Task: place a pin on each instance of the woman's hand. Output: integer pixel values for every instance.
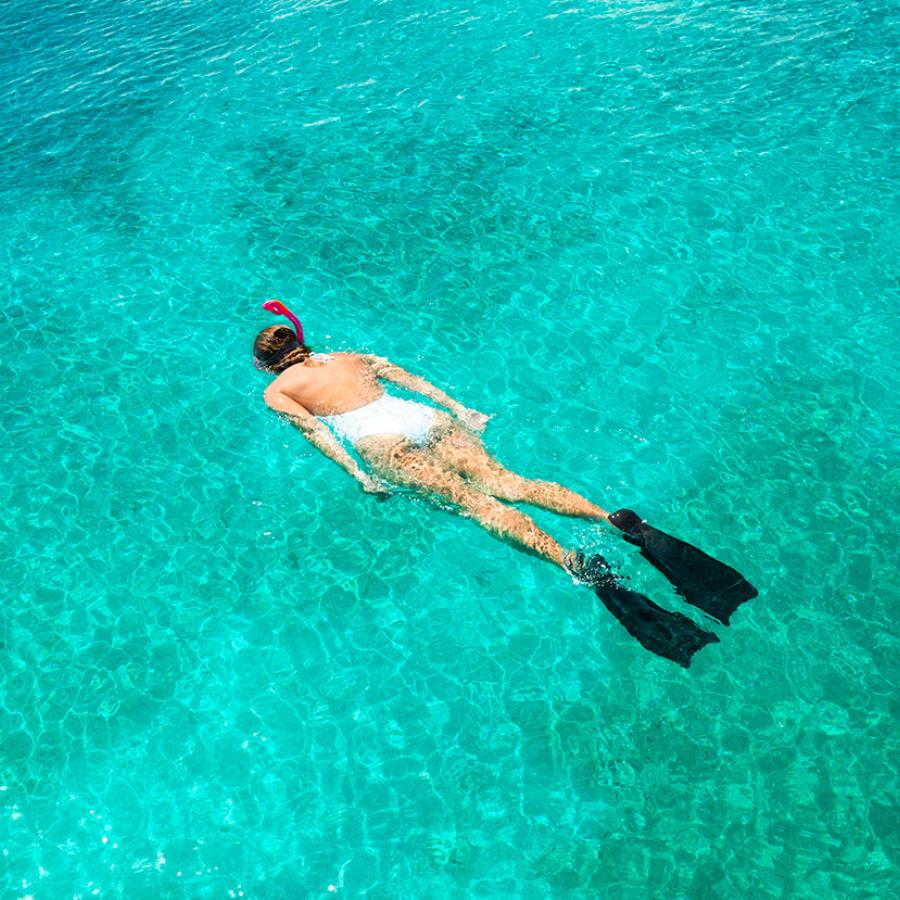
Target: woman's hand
(473, 419)
(372, 485)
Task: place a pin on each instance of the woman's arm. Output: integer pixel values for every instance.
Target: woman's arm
(389, 371)
(319, 436)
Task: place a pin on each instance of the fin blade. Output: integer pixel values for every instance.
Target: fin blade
(668, 634)
(700, 579)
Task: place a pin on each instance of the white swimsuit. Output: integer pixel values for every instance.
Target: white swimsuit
(386, 415)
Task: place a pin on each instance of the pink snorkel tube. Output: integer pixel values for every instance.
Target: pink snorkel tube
(277, 307)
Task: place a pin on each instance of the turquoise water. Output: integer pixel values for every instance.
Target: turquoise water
(657, 241)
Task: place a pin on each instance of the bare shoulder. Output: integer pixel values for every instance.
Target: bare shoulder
(287, 382)
(272, 394)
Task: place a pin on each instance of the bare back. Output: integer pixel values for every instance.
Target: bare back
(329, 384)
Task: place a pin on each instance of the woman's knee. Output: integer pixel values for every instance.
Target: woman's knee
(481, 505)
(492, 513)
(509, 486)
(539, 489)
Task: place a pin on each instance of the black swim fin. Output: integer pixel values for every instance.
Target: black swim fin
(668, 634)
(704, 582)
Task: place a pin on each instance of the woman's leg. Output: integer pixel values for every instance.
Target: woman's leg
(464, 453)
(419, 468)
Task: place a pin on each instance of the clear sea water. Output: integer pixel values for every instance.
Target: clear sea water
(658, 241)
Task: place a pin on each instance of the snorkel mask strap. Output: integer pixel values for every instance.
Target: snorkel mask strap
(277, 307)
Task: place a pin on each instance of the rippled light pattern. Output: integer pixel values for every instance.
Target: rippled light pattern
(658, 241)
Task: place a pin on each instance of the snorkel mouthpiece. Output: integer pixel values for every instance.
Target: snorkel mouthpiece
(277, 307)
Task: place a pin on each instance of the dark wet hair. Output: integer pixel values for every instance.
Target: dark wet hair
(276, 348)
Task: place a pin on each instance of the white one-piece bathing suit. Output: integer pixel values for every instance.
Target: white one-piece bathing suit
(386, 415)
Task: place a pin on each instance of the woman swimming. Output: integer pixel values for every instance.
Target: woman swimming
(341, 397)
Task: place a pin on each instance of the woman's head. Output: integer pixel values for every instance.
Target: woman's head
(277, 347)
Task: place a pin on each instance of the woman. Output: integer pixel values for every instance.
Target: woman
(340, 396)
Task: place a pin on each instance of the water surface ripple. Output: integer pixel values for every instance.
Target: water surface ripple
(657, 240)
